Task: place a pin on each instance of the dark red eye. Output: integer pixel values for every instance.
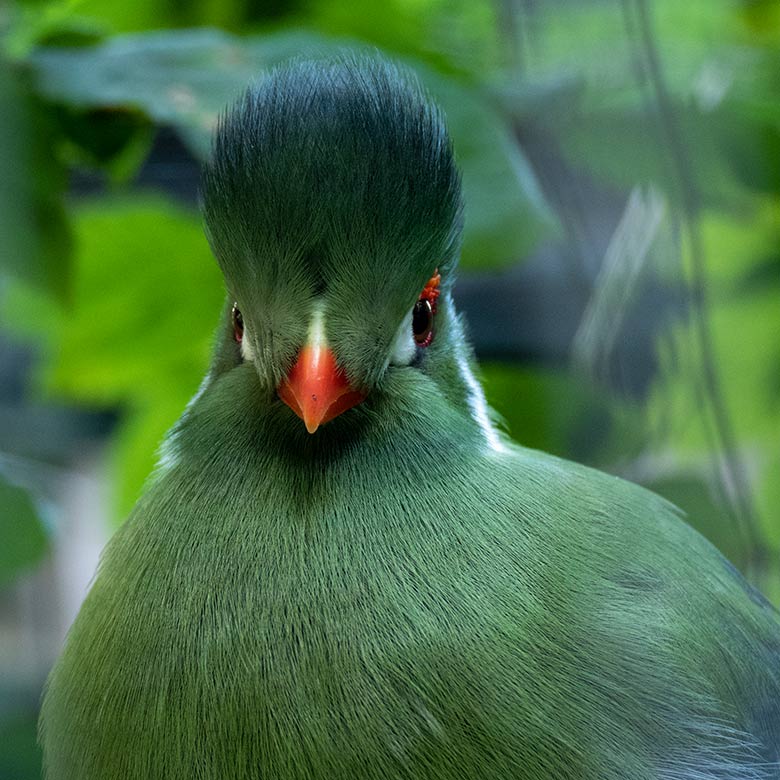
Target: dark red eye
(424, 309)
(238, 324)
(422, 322)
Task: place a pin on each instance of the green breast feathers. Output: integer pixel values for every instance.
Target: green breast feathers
(341, 569)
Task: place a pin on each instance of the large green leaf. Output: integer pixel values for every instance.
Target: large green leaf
(23, 538)
(185, 78)
(34, 238)
(700, 47)
(146, 297)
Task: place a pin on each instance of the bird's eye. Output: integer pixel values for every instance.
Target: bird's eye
(422, 322)
(424, 309)
(238, 324)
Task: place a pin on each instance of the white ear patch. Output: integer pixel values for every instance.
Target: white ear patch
(403, 350)
(247, 351)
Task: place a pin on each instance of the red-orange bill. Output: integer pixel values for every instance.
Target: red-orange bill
(316, 389)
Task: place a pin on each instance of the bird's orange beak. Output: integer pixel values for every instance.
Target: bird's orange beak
(316, 389)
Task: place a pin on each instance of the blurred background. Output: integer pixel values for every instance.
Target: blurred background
(620, 274)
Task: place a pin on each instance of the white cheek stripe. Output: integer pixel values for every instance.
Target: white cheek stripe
(246, 347)
(476, 395)
(478, 406)
(403, 353)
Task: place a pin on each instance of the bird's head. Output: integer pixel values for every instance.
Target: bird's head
(332, 203)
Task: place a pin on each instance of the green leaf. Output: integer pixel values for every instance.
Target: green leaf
(179, 78)
(700, 46)
(34, 235)
(52, 22)
(23, 539)
(718, 86)
(147, 294)
(115, 139)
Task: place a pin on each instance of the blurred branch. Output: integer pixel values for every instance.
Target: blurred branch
(516, 21)
(616, 284)
(733, 481)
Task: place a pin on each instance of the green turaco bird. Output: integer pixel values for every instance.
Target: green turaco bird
(341, 569)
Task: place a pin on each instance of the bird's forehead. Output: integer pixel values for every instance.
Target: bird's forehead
(334, 177)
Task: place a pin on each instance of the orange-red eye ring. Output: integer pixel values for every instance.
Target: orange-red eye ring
(431, 290)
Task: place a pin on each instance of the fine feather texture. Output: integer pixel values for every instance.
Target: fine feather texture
(404, 594)
(332, 175)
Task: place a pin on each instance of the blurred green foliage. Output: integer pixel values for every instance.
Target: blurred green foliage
(22, 532)
(20, 756)
(555, 109)
(83, 95)
(34, 230)
(141, 260)
(185, 79)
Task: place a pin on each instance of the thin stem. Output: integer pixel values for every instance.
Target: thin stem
(733, 480)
